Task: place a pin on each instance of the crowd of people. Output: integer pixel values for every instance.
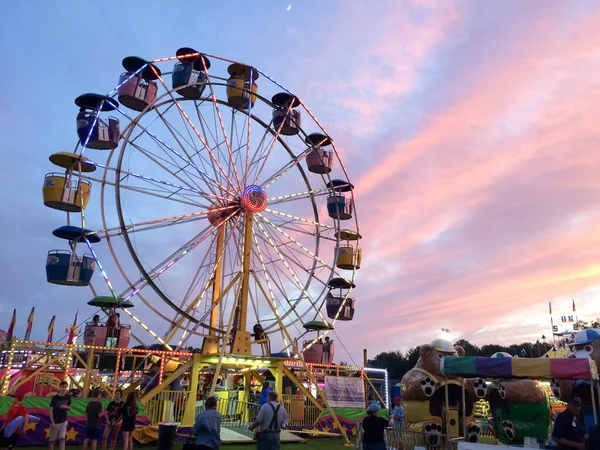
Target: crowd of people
(120, 416)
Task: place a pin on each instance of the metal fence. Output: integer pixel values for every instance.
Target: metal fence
(311, 412)
(237, 415)
(167, 406)
(406, 439)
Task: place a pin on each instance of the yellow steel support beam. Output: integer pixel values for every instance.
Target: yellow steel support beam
(190, 407)
(241, 337)
(88, 373)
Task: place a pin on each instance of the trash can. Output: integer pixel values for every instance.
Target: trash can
(166, 436)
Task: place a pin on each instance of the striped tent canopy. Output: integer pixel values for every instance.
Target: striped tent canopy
(530, 368)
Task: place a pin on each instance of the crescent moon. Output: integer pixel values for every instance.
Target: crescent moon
(289, 7)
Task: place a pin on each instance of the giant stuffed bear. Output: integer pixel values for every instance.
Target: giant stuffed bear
(586, 345)
(424, 394)
(519, 408)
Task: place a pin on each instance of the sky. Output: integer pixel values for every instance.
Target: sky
(469, 130)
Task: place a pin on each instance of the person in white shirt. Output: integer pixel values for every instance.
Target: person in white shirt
(270, 420)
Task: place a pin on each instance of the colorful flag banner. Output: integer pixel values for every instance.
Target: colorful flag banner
(51, 329)
(73, 330)
(11, 328)
(29, 325)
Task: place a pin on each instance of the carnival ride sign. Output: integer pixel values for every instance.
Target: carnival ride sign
(345, 392)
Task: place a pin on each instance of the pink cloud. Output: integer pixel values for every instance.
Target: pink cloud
(492, 206)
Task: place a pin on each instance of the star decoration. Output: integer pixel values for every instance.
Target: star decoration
(30, 426)
(353, 431)
(47, 430)
(71, 434)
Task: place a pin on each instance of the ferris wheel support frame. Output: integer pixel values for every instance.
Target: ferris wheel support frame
(240, 344)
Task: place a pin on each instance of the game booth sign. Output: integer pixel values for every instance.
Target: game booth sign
(516, 421)
(346, 396)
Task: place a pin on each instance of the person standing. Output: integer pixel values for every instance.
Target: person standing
(398, 413)
(16, 421)
(59, 406)
(373, 429)
(569, 431)
(114, 418)
(270, 420)
(130, 411)
(93, 411)
(207, 427)
(264, 393)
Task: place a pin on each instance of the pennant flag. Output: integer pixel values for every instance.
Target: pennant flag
(51, 329)
(73, 330)
(574, 310)
(29, 325)
(550, 306)
(11, 328)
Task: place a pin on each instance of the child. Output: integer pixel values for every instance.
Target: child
(114, 418)
(94, 414)
(16, 420)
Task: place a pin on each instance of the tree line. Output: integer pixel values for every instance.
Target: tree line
(398, 363)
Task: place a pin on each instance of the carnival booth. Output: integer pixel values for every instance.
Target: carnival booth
(585, 345)
(435, 404)
(514, 419)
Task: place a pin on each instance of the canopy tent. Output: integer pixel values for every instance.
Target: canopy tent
(530, 368)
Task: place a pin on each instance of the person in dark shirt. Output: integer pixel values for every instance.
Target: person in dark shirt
(130, 411)
(93, 411)
(569, 431)
(373, 429)
(593, 442)
(114, 418)
(59, 405)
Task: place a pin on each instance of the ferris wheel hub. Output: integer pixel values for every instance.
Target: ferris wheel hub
(254, 199)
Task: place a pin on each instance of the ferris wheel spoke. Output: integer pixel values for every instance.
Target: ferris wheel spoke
(223, 130)
(274, 140)
(298, 196)
(145, 178)
(276, 272)
(210, 278)
(192, 126)
(271, 295)
(209, 136)
(292, 273)
(169, 151)
(279, 173)
(299, 219)
(154, 194)
(175, 174)
(188, 162)
(191, 143)
(157, 223)
(304, 249)
(295, 255)
(149, 276)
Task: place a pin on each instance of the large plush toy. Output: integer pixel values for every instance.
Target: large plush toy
(586, 345)
(519, 408)
(424, 393)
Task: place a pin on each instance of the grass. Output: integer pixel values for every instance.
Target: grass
(310, 444)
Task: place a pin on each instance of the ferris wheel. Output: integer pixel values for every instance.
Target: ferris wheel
(223, 212)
